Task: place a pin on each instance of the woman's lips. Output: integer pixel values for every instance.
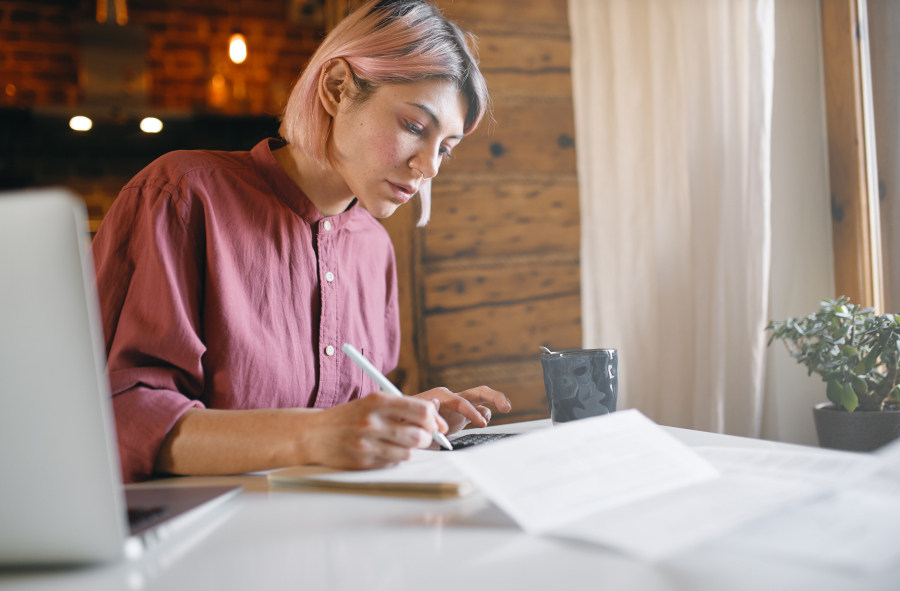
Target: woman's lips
(402, 192)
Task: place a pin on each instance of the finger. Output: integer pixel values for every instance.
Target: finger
(415, 411)
(485, 395)
(385, 454)
(442, 424)
(465, 408)
(405, 435)
(485, 412)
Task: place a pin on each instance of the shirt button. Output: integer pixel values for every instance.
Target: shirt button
(327, 225)
(329, 277)
(329, 350)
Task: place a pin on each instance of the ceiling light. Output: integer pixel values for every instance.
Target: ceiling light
(151, 125)
(80, 123)
(237, 48)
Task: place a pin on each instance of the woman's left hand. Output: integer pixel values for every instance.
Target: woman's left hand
(467, 407)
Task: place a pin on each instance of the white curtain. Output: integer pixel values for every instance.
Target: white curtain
(673, 109)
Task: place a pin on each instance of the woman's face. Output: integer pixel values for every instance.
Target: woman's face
(387, 146)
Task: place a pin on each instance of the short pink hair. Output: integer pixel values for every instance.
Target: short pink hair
(386, 42)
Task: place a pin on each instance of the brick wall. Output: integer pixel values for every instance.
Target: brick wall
(187, 53)
(39, 52)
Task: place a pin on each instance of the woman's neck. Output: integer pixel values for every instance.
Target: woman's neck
(323, 186)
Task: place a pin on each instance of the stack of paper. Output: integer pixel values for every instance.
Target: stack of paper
(620, 481)
(853, 526)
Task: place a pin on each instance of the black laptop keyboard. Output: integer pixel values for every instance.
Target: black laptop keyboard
(141, 515)
(470, 440)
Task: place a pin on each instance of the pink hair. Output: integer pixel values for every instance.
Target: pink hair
(386, 42)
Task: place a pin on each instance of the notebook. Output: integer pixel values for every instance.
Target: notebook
(426, 474)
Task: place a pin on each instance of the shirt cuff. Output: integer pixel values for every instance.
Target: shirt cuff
(144, 417)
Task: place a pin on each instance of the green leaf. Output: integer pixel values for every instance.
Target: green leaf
(835, 392)
(895, 393)
(860, 386)
(849, 351)
(849, 398)
(871, 359)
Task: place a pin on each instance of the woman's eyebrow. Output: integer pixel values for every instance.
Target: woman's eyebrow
(434, 119)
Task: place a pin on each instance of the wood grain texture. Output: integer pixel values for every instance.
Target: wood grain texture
(500, 332)
(521, 381)
(537, 137)
(523, 53)
(531, 16)
(485, 219)
(511, 88)
(503, 282)
(853, 270)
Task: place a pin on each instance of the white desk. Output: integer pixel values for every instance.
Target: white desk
(282, 539)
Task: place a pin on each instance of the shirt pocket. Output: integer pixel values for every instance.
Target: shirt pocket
(367, 384)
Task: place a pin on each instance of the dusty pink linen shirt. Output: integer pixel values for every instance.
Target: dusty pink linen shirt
(222, 286)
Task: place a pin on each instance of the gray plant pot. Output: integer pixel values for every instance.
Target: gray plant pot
(855, 431)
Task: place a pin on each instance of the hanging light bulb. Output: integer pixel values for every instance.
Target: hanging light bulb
(151, 125)
(237, 48)
(80, 123)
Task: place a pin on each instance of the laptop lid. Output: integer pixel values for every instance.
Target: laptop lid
(61, 497)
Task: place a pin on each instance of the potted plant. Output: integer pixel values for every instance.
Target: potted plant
(857, 354)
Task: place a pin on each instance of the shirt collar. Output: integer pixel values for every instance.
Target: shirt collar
(288, 191)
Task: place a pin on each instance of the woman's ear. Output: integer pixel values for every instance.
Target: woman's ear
(335, 81)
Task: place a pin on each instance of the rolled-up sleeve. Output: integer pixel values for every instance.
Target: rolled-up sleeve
(149, 260)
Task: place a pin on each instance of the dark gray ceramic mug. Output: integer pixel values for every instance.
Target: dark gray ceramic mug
(581, 383)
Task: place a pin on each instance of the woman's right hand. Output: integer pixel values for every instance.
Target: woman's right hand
(372, 432)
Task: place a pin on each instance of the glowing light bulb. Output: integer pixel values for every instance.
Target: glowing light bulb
(237, 48)
(151, 125)
(80, 123)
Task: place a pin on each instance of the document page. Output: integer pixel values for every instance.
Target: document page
(554, 477)
(657, 528)
(851, 530)
(885, 479)
(821, 467)
(423, 467)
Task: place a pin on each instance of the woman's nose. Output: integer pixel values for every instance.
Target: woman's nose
(426, 163)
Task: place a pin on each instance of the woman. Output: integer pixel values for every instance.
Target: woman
(229, 281)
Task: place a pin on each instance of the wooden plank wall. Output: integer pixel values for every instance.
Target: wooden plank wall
(495, 273)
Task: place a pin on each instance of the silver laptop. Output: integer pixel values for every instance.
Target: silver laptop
(61, 493)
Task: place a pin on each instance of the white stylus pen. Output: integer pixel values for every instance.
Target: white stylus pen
(385, 384)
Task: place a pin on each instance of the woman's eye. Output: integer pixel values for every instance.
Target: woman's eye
(445, 152)
(412, 127)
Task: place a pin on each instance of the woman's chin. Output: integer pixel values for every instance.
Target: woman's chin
(382, 209)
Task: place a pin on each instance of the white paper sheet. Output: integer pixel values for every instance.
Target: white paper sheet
(851, 531)
(423, 467)
(852, 524)
(886, 478)
(669, 524)
(822, 467)
(548, 479)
